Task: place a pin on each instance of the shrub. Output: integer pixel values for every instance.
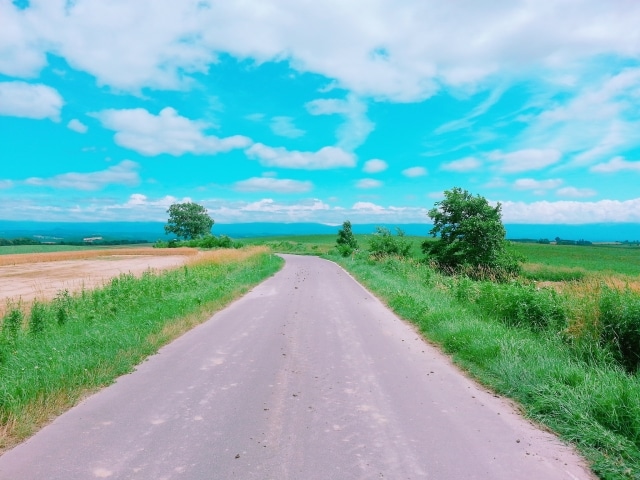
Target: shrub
(620, 325)
(346, 241)
(37, 318)
(522, 305)
(383, 243)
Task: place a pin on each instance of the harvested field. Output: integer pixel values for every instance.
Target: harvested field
(41, 276)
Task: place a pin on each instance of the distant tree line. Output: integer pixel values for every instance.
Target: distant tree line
(6, 242)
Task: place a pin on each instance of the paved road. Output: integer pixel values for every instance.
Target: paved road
(306, 377)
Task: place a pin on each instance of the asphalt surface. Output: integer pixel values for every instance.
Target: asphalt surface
(306, 377)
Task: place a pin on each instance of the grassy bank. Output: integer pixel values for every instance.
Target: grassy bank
(576, 388)
(57, 352)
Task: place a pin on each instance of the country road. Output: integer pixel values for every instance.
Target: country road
(306, 377)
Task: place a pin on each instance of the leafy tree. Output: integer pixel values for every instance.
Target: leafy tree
(347, 242)
(471, 237)
(383, 243)
(188, 220)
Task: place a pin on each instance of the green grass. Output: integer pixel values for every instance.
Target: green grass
(53, 355)
(596, 258)
(587, 398)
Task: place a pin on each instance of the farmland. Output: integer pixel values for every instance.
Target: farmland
(55, 351)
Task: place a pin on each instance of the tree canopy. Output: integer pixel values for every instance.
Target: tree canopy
(188, 221)
(471, 236)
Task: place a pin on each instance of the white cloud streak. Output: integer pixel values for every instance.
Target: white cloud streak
(267, 184)
(617, 164)
(125, 173)
(324, 159)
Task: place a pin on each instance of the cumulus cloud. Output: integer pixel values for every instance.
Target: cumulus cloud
(269, 184)
(466, 164)
(525, 160)
(572, 212)
(284, 127)
(167, 132)
(125, 173)
(77, 126)
(616, 164)
(356, 127)
(37, 101)
(414, 172)
(324, 159)
(375, 166)
(399, 50)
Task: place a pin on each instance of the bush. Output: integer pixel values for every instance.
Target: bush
(620, 324)
(383, 243)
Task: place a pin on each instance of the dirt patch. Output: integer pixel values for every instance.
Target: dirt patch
(44, 279)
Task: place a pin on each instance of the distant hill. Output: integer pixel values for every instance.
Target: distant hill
(152, 231)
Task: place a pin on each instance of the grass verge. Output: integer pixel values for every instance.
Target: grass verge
(589, 400)
(56, 353)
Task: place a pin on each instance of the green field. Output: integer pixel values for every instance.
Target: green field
(596, 258)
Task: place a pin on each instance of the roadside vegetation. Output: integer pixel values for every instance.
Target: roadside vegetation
(54, 353)
(554, 327)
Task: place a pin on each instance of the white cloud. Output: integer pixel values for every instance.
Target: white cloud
(167, 132)
(616, 164)
(77, 126)
(284, 127)
(525, 160)
(5, 184)
(368, 183)
(356, 127)
(324, 159)
(571, 212)
(21, 99)
(269, 184)
(466, 164)
(574, 192)
(401, 50)
(375, 165)
(538, 185)
(125, 173)
(413, 172)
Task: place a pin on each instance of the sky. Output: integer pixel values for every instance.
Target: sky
(319, 111)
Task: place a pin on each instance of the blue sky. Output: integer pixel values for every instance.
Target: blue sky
(307, 111)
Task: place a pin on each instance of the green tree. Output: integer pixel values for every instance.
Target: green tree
(188, 220)
(471, 237)
(347, 242)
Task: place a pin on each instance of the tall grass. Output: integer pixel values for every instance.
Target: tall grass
(515, 339)
(53, 355)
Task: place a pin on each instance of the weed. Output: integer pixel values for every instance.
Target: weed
(620, 324)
